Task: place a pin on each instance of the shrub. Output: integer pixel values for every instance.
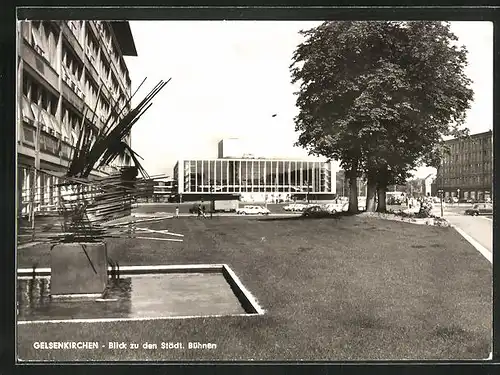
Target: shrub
(425, 211)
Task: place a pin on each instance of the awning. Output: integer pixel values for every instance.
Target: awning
(36, 111)
(27, 111)
(46, 120)
(37, 39)
(64, 130)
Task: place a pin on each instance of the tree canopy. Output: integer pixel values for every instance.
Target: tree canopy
(380, 96)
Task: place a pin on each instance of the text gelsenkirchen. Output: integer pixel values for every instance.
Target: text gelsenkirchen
(65, 345)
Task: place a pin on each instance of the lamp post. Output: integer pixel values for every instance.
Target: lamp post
(458, 196)
(440, 191)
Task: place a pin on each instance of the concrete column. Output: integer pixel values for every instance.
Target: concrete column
(239, 174)
(196, 176)
(252, 179)
(301, 176)
(227, 174)
(259, 174)
(20, 80)
(202, 175)
(30, 31)
(265, 176)
(180, 176)
(83, 35)
(333, 178)
(289, 176)
(215, 174)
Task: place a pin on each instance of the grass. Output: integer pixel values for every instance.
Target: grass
(349, 288)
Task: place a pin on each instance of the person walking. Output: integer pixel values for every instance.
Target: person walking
(177, 212)
(203, 212)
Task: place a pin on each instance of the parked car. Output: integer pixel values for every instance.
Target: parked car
(253, 210)
(226, 205)
(336, 207)
(316, 211)
(480, 209)
(295, 207)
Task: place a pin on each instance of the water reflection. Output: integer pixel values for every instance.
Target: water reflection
(157, 295)
(35, 302)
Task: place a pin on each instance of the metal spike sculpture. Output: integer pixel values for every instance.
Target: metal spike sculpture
(90, 208)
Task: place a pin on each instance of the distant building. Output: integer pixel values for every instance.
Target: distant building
(343, 185)
(467, 172)
(163, 189)
(230, 148)
(427, 184)
(254, 179)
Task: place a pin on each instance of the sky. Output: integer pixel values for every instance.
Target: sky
(228, 79)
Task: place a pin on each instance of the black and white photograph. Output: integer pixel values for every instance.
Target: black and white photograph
(254, 190)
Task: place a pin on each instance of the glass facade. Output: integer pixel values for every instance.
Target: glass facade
(255, 175)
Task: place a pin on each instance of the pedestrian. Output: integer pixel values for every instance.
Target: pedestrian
(177, 212)
(203, 212)
(199, 211)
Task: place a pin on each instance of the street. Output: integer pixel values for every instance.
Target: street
(480, 228)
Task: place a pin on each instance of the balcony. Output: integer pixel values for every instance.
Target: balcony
(69, 94)
(40, 65)
(90, 65)
(92, 27)
(66, 150)
(49, 144)
(28, 133)
(108, 56)
(93, 118)
(71, 39)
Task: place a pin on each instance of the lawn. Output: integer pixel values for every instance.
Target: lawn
(348, 288)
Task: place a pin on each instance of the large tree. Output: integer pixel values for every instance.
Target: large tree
(379, 97)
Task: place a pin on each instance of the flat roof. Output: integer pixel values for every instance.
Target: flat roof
(124, 36)
(464, 139)
(256, 159)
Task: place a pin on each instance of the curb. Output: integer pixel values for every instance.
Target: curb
(484, 251)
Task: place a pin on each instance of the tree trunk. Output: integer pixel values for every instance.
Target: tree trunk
(353, 194)
(371, 195)
(381, 198)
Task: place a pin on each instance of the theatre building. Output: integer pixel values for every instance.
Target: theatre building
(467, 171)
(254, 179)
(70, 75)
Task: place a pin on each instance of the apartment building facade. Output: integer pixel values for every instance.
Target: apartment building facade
(71, 74)
(467, 171)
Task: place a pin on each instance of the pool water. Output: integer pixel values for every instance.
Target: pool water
(135, 296)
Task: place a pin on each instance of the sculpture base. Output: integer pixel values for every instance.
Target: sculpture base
(78, 268)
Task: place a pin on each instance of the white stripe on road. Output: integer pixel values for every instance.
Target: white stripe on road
(486, 253)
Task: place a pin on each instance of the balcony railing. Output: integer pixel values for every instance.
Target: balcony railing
(71, 38)
(39, 64)
(69, 94)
